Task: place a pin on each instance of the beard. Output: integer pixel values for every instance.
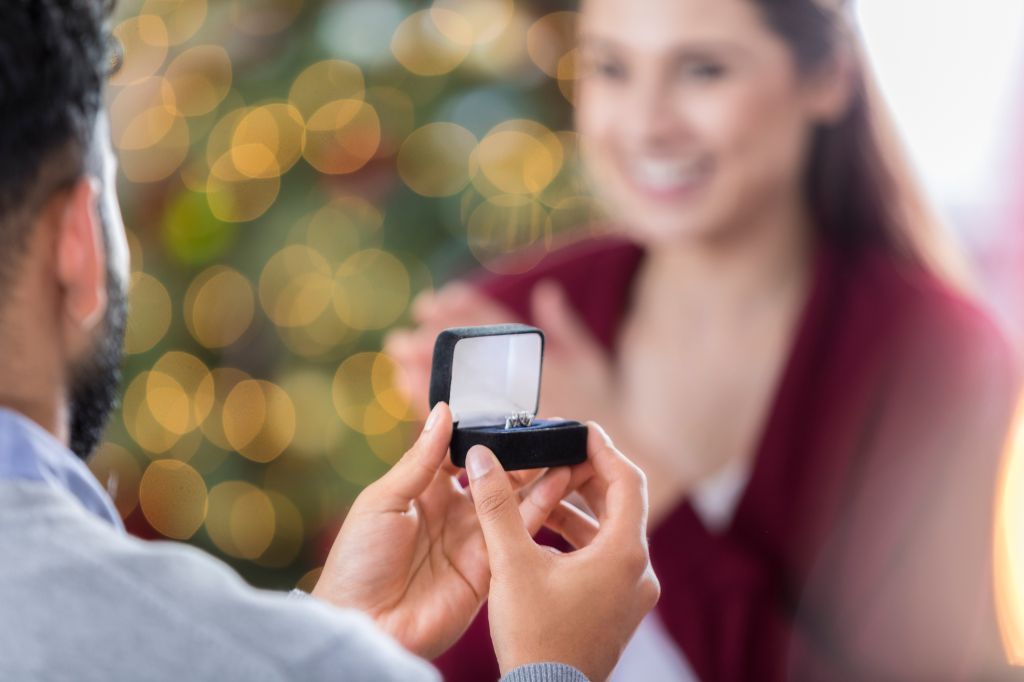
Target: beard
(96, 378)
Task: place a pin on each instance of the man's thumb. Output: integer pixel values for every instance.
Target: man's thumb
(497, 506)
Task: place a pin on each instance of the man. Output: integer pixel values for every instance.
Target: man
(416, 557)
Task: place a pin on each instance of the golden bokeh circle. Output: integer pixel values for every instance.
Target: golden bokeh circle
(550, 38)
(504, 56)
(342, 136)
(219, 141)
(144, 42)
(268, 140)
(194, 380)
(221, 382)
(148, 129)
(219, 307)
(173, 498)
(365, 393)
(518, 157)
(337, 230)
(141, 424)
(432, 42)
(259, 420)
(168, 402)
(434, 160)
(325, 82)
(371, 289)
(182, 18)
(296, 286)
(509, 233)
(487, 19)
(150, 306)
(118, 473)
(241, 519)
(236, 198)
(201, 79)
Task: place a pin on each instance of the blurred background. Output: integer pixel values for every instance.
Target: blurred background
(294, 172)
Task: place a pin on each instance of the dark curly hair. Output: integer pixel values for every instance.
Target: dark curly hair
(55, 56)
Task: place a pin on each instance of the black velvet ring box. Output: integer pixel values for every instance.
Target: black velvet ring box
(489, 376)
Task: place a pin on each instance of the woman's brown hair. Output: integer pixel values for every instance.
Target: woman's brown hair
(859, 183)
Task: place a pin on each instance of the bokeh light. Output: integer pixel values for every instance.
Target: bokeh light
(505, 229)
(371, 289)
(241, 520)
(342, 136)
(173, 498)
(435, 160)
(293, 173)
(325, 82)
(201, 78)
(433, 42)
(258, 420)
(150, 318)
(366, 394)
(518, 157)
(144, 43)
(181, 18)
(296, 286)
(486, 18)
(219, 307)
(119, 473)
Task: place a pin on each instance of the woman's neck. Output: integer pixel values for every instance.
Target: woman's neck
(732, 276)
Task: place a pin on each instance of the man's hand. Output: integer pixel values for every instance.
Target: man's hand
(580, 608)
(411, 553)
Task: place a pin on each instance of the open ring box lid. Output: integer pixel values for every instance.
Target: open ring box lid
(487, 374)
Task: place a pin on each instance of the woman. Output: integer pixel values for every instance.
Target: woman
(773, 337)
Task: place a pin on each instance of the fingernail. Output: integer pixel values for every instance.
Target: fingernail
(432, 419)
(478, 462)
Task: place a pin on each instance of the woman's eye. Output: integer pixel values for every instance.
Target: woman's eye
(707, 71)
(605, 69)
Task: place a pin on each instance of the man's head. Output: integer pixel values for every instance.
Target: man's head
(63, 256)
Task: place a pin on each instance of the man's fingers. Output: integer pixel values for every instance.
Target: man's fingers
(497, 508)
(578, 528)
(524, 477)
(592, 489)
(418, 467)
(543, 497)
(626, 494)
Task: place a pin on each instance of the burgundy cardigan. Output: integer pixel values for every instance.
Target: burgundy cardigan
(861, 546)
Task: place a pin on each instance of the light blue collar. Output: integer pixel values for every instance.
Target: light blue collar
(30, 453)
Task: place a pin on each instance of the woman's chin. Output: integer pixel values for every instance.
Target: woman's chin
(675, 229)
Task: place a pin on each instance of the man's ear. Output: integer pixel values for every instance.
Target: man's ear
(828, 90)
(80, 255)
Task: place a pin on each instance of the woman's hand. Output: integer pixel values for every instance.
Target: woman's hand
(578, 381)
(456, 305)
(411, 553)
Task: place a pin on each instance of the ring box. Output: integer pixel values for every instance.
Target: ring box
(490, 378)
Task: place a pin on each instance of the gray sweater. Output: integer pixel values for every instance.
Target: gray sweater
(82, 601)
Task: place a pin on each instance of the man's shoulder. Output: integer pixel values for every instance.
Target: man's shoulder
(80, 595)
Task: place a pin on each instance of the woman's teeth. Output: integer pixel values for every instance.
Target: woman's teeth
(662, 175)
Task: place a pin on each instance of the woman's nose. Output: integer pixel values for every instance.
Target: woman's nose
(652, 120)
